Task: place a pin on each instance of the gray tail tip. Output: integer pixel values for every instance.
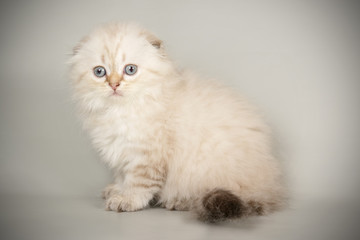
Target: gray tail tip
(220, 205)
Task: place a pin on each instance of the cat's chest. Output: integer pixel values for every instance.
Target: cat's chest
(116, 137)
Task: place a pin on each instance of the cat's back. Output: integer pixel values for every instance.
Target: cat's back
(207, 103)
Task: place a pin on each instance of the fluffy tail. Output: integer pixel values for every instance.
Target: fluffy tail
(219, 205)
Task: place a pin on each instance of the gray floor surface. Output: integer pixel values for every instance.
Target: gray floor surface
(41, 217)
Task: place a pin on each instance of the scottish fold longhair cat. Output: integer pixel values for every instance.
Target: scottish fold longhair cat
(171, 138)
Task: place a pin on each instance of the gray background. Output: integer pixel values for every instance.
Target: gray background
(299, 61)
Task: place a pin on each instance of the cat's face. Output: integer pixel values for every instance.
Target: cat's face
(116, 63)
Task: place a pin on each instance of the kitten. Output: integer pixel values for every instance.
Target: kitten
(169, 136)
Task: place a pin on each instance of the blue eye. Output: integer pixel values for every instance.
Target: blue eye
(99, 71)
(130, 69)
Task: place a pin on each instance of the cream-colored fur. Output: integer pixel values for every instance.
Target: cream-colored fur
(166, 133)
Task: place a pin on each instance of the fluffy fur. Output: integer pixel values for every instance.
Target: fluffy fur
(171, 137)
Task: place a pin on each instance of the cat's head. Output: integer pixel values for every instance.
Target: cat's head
(118, 63)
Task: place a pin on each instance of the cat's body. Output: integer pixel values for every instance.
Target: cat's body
(169, 135)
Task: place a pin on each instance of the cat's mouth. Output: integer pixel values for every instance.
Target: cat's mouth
(116, 93)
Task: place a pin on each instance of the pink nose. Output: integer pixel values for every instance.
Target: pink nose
(114, 85)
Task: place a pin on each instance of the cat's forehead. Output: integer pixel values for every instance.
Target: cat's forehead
(117, 44)
(111, 44)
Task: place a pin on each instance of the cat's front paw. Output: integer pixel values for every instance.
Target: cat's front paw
(120, 203)
(113, 203)
(109, 191)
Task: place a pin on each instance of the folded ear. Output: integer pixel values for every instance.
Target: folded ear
(157, 43)
(80, 44)
(153, 40)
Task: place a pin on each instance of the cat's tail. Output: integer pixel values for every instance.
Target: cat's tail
(219, 205)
